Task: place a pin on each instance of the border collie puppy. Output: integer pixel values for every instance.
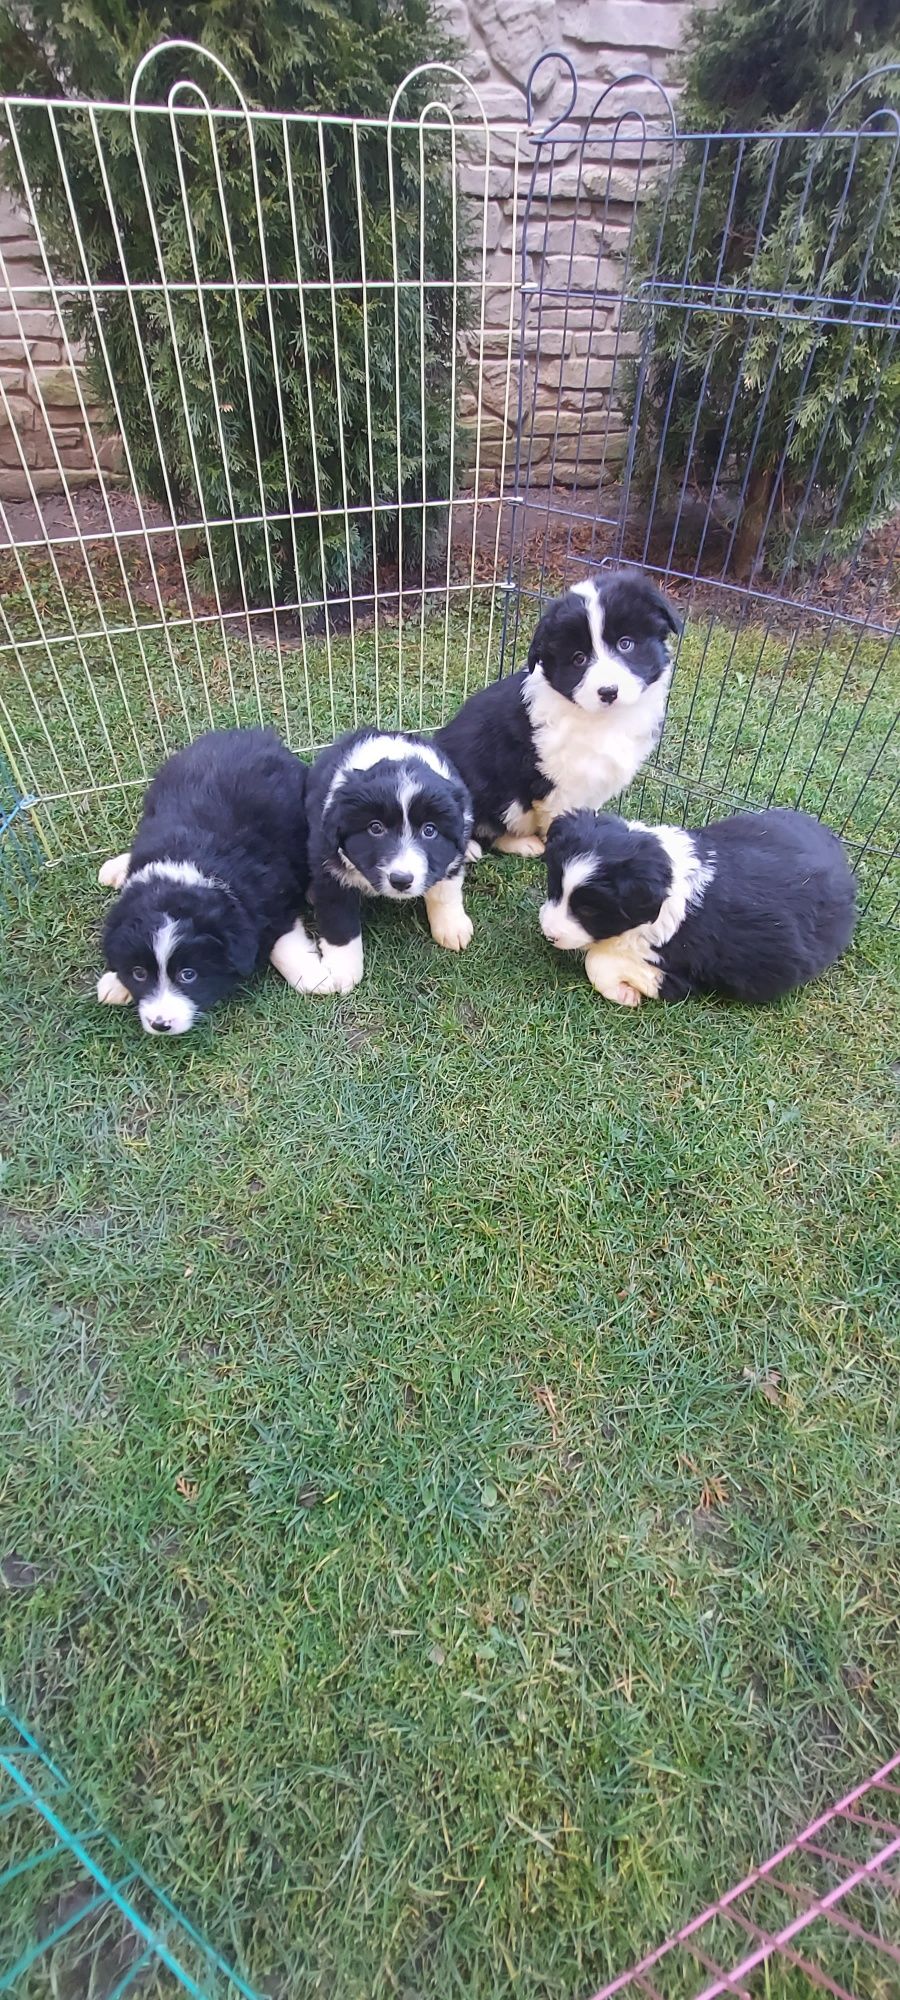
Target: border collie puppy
(214, 881)
(572, 727)
(388, 816)
(750, 906)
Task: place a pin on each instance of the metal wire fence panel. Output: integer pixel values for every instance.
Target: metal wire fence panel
(673, 299)
(821, 1916)
(77, 1915)
(343, 400)
(292, 337)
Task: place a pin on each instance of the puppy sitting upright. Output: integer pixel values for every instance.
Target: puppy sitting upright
(574, 725)
(750, 906)
(214, 881)
(388, 816)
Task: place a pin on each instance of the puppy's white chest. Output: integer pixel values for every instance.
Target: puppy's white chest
(588, 758)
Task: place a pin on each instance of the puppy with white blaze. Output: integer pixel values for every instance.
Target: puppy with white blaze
(213, 883)
(388, 816)
(749, 907)
(576, 723)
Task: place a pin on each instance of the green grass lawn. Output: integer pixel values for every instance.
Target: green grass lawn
(451, 1431)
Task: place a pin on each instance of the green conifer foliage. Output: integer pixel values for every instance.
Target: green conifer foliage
(773, 386)
(242, 376)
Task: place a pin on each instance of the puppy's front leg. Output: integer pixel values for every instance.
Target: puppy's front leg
(544, 812)
(527, 844)
(340, 938)
(523, 836)
(447, 918)
(623, 970)
(113, 872)
(111, 992)
(297, 958)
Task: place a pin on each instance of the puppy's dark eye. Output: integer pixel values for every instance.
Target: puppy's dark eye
(375, 828)
(626, 645)
(579, 659)
(428, 831)
(138, 974)
(187, 975)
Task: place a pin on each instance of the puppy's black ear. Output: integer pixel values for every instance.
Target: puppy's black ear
(462, 799)
(538, 645)
(640, 884)
(240, 937)
(235, 931)
(329, 835)
(242, 947)
(672, 617)
(116, 933)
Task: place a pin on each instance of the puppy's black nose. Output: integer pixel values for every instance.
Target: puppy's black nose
(608, 695)
(161, 1027)
(399, 881)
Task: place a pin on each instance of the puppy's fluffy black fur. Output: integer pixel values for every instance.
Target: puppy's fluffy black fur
(389, 816)
(574, 725)
(750, 906)
(218, 871)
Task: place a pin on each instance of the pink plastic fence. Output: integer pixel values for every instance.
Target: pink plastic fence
(823, 1915)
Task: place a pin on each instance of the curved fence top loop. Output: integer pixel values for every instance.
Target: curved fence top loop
(635, 76)
(182, 83)
(438, 69)
(860, 83)
(550, 55)
(617, 83)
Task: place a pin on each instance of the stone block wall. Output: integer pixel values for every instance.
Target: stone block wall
(42, 423)
(576, 354)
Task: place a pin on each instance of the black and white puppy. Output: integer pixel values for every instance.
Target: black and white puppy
(749, 907)
(388, 816)
(214, 881)
(575, 724)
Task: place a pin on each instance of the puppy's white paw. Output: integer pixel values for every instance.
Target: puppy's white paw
(474, 851)
(311, 969)
(623, 969)
(113, 872)
(297, 959)
(341, 968)
(111, 992)
(452, 930)
(447, 919)
(527, 844)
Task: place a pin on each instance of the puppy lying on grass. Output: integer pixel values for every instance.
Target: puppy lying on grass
(748, 907)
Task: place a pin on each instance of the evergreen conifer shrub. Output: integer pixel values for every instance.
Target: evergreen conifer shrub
(243, 392)
(756, 375)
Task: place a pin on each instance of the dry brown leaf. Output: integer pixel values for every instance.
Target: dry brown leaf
(186, 1487)
(546, 1398)
(714, 1487)
(768, 1384)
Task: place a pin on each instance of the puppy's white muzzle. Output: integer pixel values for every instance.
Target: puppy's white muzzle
(560, 929)
(405, 875)
(608, 684)
(167, 1012)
